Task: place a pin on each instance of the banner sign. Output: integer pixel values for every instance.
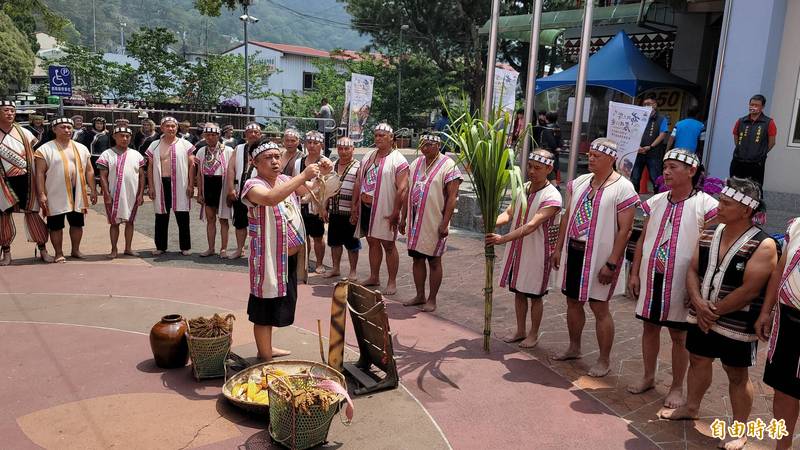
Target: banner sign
(505, 90)
(360, 104)
(626, 124)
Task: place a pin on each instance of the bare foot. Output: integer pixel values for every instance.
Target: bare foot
(681, 413)
(205, 254)
(77, 255)
(44, 256)
(675, 398)
(570, 353)
(735, 444)
(352, 276)
(371, 282)
(642, 386)
(391, 289)
(223, 253)
(157, 252)
(60, 259)
(510, 338)
(599, 369)
(414, 302)
(237, 254)
(6, 260)
(131, 253)
(112, 255)
(185, 252)
(278, 352)
(529, 342)
(331, 273)
(428, 307)
(320, 269)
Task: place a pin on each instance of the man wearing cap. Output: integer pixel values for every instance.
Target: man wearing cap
(36, 126)
(526, 270)
(593, 234)
(170, 180)
(726, 284)
(657, 280)
(239, 170)
(315, 227)
(65, 184)
(382, 188)
(122, 185)
(212, 185)
(290, 158)
(18, 184)
(76, 133)
(339, 209)
(434, 191)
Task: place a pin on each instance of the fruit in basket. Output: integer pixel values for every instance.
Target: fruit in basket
(262, 398)
(252, 390)
(238, 390)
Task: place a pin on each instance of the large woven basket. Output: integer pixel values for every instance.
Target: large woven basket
(293, 428)
(292, 367)
(208, 355)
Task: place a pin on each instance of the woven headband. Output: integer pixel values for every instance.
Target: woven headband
(431, 138)
(384, 127)
(169, 119)
(99, 119)
(686, 158)
(61, 120)
(214, 130)
(605, 149)
(345, 142)
(315, 136)
(8, 103)
(292, 132)
(264, 147)
(542, 159)
(253, 126)
(122, 130)
(740, 197)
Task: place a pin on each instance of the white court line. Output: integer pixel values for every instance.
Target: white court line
(33, 322)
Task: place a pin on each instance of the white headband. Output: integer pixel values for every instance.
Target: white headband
(61, 120)
(264, 147)
(542, 159)
(345, 142)
(740, 197)
(8, 103)
(431, 138)
(211, 129)
(686, 158)
(315, 136)
(604, 149)
(122, 130)
(384, 127)
(253, 126)
(292, 132)
(169, 119)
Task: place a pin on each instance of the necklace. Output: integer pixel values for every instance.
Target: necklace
(593, 190)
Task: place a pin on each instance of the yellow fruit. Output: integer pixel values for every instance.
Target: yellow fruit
(252, 390)
(262, 398)
(238, 389)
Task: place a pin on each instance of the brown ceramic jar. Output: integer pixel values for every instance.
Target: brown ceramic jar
(168, 342)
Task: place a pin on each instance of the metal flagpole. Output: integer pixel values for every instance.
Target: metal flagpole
(530, 87)
(580, 91)
(490, 61)
(246, 65)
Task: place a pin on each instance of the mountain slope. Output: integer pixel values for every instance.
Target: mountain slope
(320, 24)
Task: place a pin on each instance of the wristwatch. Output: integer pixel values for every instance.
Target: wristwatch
(611, 267)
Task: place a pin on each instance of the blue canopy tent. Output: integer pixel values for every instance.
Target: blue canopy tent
(618, 65)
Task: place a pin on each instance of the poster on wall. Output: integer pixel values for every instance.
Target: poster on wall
(360, 104)
(505, 90)
(626, 124)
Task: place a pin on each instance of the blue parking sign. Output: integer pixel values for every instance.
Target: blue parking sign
(60, 81)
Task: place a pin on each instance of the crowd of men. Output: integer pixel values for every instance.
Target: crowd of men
(702, 268)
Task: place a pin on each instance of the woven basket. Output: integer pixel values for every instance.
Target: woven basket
(208, 355)
(293, 428)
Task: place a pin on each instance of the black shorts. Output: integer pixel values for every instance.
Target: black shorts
(19, 185)
(417, 255)
(240, 220)
(364, 217)
(574, 267)
(212, 189)
(315, 227)
(781, 372)
(713, 345)
(55, 223)
(655, 307)
(342, 232)
(277, 311)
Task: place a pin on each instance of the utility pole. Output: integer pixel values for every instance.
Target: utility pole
(246, 63)
(491, 61)
(399, 72)
(94, 26)
(122, 37)
(580, 90)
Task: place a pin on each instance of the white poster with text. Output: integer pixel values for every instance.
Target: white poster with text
(626, 124)
(360, 104)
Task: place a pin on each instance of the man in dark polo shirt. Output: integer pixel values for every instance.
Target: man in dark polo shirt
(754, 136)
(652, 146)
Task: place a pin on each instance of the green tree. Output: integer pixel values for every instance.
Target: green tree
(213, 8)
(222, 76)
(16, 58)
(89, 70)
(160, 69)
(25, 13)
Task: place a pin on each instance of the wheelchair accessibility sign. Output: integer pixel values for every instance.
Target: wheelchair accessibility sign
(60, 81)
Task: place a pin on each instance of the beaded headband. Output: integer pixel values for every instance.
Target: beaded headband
(169, 119)
(227, 127)
(686, 158)
(264, 147)
(315, 136)
(61, 120)
(542, 159)
(99, 119)
(431, 138)
(122, 130)
(384, 127)
(8, 103)
(602, 148)
(212, 129)
(345, 142)
(740, 197)
(292, 132)
(253, 126)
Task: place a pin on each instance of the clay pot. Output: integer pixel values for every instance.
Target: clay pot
(168, 342)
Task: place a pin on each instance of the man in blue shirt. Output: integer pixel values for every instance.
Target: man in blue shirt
(651, 148)
(686, 133)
